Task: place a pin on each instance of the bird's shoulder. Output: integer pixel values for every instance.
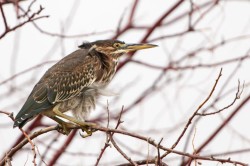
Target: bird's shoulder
(78, 62)
(67, 77)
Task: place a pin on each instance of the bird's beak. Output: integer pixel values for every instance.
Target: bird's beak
(135, 47)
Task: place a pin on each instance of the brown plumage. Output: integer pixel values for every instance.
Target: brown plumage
(74, 83)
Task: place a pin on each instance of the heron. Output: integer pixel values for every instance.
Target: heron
(74, 83)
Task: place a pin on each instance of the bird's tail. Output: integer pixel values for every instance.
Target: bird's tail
(20, 121)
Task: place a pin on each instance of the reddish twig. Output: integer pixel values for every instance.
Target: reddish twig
(32, 145)
(151, 29)
(159, 21)
(4, 18)
(190, 14)
(224, 123)
(10, 115)
(53, 34)
(194, 66)
(120, 151)
(104, 129)
(25, 141)
(132, 13)
(25, 71)
(49, 146)
(108, 140)
(178, 34)
(60, 151)
(26, 12)
(206, 12)
(30, 19)
(158, 161)
(237, 96)
(19, 141)
(193, 115)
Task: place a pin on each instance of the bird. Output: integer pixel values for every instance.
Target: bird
(74, 83)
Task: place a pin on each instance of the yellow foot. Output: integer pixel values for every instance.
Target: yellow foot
(88, 130)
(64, 128)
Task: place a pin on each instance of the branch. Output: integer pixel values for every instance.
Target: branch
(4, 18)
(10, 115)
(237, 96)
(30, 19)
(11, 1)
(192, 117)
(108, 130)
(25, 141)
(224, 123)
(120, 151)
(62, 148)
(32, 145)
(108, 140)
(25, 71)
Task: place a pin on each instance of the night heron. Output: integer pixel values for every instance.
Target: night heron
(74, 83)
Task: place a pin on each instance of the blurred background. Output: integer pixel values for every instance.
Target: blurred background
(160, 88)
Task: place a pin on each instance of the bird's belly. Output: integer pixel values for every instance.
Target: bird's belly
(71, 104)
(81, 105)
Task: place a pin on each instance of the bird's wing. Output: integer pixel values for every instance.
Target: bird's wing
(33, 105)
(66, 85)
(61, 82)
(59, 88)
(70, 76)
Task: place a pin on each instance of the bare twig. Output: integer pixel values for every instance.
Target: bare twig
(25, 141)
(120, 151)
(25, 71)
(190, 27)
(192, 117)
(4, 18)
(27, 11)
(7, 161)
(10, 115)
(104, 129)
(158, 160)
(30, 19)
(107, 139)
(220, 127)
(48, 148)
(54, 34)
(193, 141)
(237, 96)
(193, 66)
(62, 148)
(32, 146)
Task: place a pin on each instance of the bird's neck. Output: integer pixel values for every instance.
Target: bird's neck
(108, 67)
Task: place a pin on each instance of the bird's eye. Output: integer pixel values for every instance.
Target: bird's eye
(117, 45)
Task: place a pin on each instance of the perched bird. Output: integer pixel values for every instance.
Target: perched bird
(74, 83)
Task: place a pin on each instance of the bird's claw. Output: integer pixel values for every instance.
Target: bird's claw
(88, 130)
(85, 136)
(65, 128)
(62, 128)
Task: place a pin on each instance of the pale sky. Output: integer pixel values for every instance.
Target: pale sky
(168, 108)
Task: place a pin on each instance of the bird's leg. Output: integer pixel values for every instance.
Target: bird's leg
(85, 126)
(71, 119)
(64, 127)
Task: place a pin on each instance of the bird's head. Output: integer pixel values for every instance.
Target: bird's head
(114, 47)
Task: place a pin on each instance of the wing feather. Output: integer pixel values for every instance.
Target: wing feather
(68, 86)
(61, 82)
